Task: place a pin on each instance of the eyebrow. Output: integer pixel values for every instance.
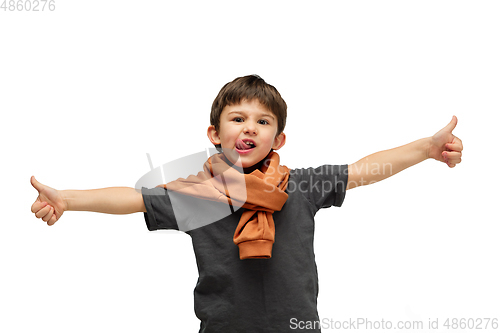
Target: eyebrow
(263, 114)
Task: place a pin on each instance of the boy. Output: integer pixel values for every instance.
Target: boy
(256, 264)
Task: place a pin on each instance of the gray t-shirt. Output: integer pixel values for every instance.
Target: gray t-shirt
(258, 295)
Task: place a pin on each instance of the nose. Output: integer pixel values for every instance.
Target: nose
(250, 129)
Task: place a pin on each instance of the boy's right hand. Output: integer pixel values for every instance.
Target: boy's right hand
(50, 204)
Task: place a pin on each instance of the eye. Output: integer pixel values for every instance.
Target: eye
(238, 119)
(263, 122)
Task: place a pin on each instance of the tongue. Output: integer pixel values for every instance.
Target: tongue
(241, 145)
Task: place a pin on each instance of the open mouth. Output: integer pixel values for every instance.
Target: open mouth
(245, 145)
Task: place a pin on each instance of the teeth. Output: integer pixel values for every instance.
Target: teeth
(248, 144)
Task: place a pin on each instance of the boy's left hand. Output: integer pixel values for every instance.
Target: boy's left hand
(446, 147)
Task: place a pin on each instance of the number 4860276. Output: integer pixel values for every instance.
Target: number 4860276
(28, 5)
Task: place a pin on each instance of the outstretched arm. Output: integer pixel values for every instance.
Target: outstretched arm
(442, 146)
(51, 203)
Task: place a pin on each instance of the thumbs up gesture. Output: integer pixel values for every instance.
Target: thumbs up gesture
(50, 205)
(446, 147)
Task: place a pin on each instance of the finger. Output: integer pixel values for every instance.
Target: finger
(36, 184)
(37, 206)
(450, 164)
(452, 155)
(451, 126)
(52, 220)
(47, 217)
(454, 147)
(457, 143)
(42, 212)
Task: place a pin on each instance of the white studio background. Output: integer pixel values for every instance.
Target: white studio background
(88, 89)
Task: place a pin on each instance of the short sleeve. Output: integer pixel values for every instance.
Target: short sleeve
(159, 211)
(323, 187)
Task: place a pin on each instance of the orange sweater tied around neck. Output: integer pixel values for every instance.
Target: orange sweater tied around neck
(261, 194)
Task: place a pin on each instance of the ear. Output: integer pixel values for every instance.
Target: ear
(279, 141)
(213, 136)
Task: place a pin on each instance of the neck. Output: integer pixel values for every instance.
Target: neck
(253, 167)
(262, 165)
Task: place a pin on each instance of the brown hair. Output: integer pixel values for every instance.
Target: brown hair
(249, 87)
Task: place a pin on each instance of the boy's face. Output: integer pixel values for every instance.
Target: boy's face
(249, 129)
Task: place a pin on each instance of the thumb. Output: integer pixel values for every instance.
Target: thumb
(36, 184)
(451, 126)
